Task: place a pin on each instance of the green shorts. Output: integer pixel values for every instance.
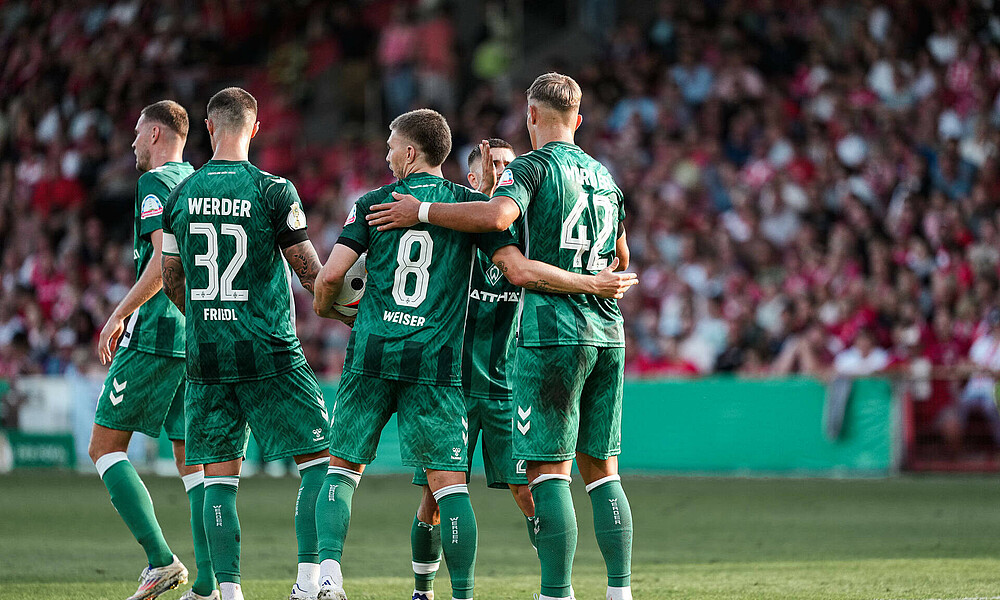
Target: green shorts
(143, 392)
(492, 416)
(433, 429)
(568, 399)
(286, 414)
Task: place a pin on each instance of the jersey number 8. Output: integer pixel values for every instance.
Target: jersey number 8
(209, 261)
(417, 267)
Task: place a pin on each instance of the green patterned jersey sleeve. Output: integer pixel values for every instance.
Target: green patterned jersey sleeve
(287, 213)
(356, 234)
(153, 195)
(520, 182)
(489, 243)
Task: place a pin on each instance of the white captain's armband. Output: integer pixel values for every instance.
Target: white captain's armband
(170, 244)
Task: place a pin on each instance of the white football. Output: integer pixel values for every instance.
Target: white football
(346, 302)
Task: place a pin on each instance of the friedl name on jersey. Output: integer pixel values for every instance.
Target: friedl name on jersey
(484, 296)
(220, 314)
(396, 316)
(220, 207)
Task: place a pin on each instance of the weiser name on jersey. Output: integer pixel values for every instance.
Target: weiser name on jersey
(397, 316)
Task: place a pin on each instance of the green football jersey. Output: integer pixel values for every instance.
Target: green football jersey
(571, 211)
(228, 223)
(489, 332)
(157, 326)
(411, 319)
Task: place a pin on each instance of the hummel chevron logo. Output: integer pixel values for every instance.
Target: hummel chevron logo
(119, 387)
(523, 415)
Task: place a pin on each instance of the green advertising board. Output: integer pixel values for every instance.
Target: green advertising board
(736, 426)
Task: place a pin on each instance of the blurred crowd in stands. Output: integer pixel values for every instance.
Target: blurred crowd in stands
(811, 187)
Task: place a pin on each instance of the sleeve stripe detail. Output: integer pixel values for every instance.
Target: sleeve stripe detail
(352, 244)
(290, 238)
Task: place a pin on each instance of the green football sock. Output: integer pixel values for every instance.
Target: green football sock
(205, 582)
(613, 527)
(425, 547)
(333, 511)
(531, 530)
(556, 535)
(312, 474)
(460, 538)
(222, 526)
(131, 499)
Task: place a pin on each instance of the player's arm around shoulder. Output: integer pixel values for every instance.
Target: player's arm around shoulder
(543, 277)
(481, 215)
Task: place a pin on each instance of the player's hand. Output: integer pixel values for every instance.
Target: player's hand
(108, 342)
(332, 313)
(609, 284)
(395, 215)
(489, 182)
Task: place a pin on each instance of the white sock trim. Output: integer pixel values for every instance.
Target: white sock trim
(548, 476)
(233, 481)
(230, 591)
(193, 480)
(426, 568)
(312, 463)
(352, 475)
(308, 577)
(330, 568)
(448, 490)
(596, 484)
(109, 460)
(619, 593)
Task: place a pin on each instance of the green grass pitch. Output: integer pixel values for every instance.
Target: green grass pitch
(698, 538)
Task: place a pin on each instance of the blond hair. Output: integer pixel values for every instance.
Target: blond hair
(556, 90)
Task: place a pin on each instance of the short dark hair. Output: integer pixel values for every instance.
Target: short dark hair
(429, 130)
(556, 90)
(169, 114)
(476, 153)
(233, 107)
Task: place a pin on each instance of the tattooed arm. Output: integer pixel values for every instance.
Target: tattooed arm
(543, 277)
(304, 261)
(174, 280)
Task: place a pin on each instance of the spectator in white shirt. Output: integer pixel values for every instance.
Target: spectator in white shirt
(980, 393)
(861, 359)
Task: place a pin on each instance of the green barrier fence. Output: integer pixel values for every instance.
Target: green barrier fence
(715, 425)
(725, 426)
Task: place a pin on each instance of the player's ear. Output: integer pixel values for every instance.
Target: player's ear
(256, 128)
(210, 126)
(154, 134)
(579, 121)
(411, 154)
(532, 114)
(472, 180)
